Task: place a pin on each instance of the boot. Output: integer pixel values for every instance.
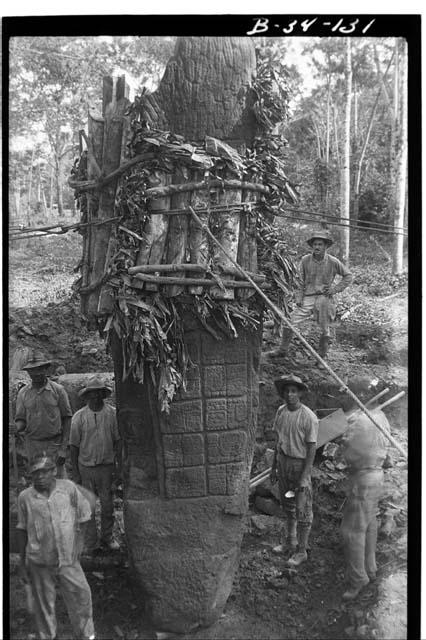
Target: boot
(286, 339)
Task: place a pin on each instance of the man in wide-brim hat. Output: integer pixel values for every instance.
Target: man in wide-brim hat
(95, 448)
(43, 412)
(296, 428)
(318, 271)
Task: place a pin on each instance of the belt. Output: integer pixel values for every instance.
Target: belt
(55, 437)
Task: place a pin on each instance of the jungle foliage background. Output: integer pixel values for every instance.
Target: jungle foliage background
(344, 105)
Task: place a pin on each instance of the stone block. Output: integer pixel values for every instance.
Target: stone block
(226, 447)
(193, 449)
(173, 451)
(236, 379)
(214, 381)
(216, 414)
(185, 416)
(216, 475)
(237, 413)
(236, 477)
(186, 482)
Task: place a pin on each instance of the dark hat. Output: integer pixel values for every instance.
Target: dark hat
(284, 381)
(95, 383)
(41, 461)
(322, 234)
(37, 359)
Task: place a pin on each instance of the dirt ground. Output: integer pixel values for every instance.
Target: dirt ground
(369, 353)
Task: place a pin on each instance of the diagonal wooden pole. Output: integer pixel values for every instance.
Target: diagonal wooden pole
(305, 343)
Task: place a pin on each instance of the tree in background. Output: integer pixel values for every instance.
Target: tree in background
(399, 151)
(53, 80)
(345, 180)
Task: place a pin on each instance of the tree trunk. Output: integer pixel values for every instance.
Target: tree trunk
(394, 133)
(58, 171)
(345, 182)
(400, 160)
(30, 189)
(52, 171)
(186, 473)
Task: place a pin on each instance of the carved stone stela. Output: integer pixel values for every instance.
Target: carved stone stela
(187, 486)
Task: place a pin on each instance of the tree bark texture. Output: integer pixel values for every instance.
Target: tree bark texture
(187, 472)
(345, 182)
(401, 142)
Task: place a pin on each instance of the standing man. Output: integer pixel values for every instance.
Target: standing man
(297, 431)
(51, 517)
(364, 449)
(315, 299)
(95, 446)
(43, 413)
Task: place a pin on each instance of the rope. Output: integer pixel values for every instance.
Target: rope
(328, 215)
(343, 224)
(47, 230)
(305, 343)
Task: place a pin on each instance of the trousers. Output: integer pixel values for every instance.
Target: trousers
(320, 308)
(75, 592)
(359, 525)
(98, 480)
(289, 472)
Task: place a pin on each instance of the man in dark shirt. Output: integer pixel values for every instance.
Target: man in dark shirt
(315, 299)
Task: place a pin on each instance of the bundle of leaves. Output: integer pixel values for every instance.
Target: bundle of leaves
(150, 326)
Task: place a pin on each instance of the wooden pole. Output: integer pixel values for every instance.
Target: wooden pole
(305, 343)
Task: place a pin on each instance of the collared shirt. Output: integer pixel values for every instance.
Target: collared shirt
(52, 522)
(295, 429)
(42, 409)
(94, 433)
(316, 274)
(365, 447)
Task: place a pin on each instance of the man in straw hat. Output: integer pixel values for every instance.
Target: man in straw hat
(43, 413)
(296, 427)
(51, 517)
(95, 446)
(315, 299)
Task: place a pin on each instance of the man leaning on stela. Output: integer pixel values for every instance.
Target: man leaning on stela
(51, 517)
(315, 300)
(296, 428)
(43, 413)
(95, 448)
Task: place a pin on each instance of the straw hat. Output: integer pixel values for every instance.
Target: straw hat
(37, 360)
(320, 235)
(41, 461)
(95, 384)
(285, 381)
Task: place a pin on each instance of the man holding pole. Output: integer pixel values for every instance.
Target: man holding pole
(315, 299)
(297, 431)
(364, 449)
